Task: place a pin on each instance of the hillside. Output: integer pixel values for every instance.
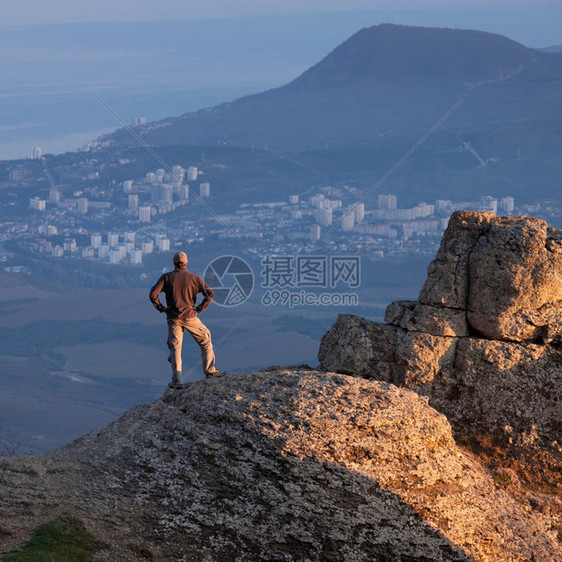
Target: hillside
(385, 80)
(352, 116)
(287, 464)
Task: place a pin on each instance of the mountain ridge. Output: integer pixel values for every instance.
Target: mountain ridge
(383, 80)
(390, 51)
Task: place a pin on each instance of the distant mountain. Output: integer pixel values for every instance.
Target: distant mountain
(388, 54)
(384, 81)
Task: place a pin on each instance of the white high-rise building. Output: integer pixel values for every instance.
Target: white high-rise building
(124, 248)
(54, 195)
(133, 201)
(325, 216)
(112, 238)
(507, 205)
(166, 192)
(192, 173)
(183, 192)
(145, 213)
(359, 212)
(136, 256)
(443, 205)
(36, 153)
(128, 186)
(147, 247)
(70, 245)
(293, 199)
(178, 173)
(38, 204)
(95, 240)
(348, 221)
(163, 243)
(315, 233)
(129, 236)
(204, 190)
(103, 251)
(422, 210)
(82, 205)
(488, 204)
(114, 256)
(316, 200)
(387, 201)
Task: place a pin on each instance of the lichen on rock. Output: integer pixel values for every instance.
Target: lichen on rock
(279, 465)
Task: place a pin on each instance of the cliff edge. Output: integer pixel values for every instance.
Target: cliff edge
(288, 464)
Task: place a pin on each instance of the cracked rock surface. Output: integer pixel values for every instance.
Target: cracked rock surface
(484, 340)
(504, 272)
(287, 464)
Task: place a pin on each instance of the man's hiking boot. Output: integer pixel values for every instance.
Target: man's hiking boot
(176, 381)
(215, 374)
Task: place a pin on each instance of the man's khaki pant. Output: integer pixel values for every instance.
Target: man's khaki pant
(201, 335)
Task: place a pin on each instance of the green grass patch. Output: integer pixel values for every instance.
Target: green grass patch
(65, 539)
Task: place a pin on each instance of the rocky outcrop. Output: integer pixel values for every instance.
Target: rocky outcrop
(505, 273)
(277, 465)
(484, 340)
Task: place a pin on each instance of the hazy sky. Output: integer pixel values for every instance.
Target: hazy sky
(534, 22)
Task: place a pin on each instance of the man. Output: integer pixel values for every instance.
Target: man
(181, 288)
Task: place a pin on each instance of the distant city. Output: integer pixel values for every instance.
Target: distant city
(342, 219)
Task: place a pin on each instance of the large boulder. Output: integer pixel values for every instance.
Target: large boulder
(515, 281)
(484, 340)
(504, 272)
(278, 465)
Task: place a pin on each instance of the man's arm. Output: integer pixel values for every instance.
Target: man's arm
(208, 296)
(154, 292)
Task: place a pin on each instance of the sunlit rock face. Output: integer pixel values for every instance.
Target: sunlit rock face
(504, 272)
(483, 341)
(286, 464)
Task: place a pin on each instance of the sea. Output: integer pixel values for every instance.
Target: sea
(58, 79)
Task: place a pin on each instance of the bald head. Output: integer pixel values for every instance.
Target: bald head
(180, 258)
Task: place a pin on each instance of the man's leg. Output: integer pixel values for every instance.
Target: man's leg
(175, 339)
(202, 335)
